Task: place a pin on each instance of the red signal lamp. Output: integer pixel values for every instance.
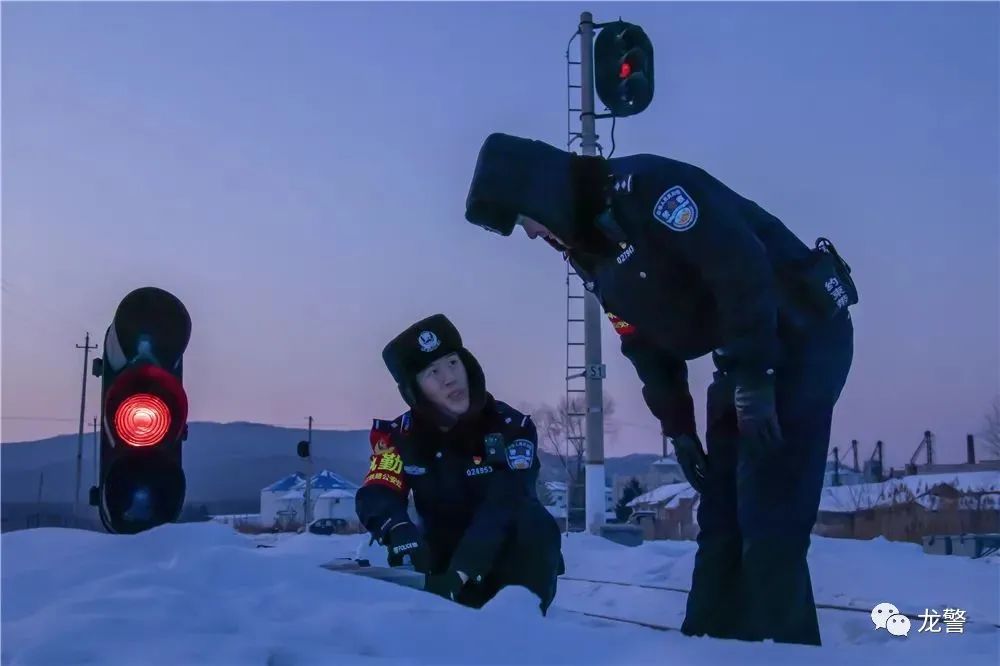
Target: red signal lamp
(147, 405)
(142, 419)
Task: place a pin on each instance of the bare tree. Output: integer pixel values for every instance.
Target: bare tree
(991, 433)
(561, 431)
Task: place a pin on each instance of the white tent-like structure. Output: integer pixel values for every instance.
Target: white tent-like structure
(336, 503)
(330, 496)
(273, 498)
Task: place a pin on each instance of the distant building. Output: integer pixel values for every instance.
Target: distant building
(272, 499)
(557, 504)
(331, 496)
(951, 468)
(661, 472)
(667, 512)
(841, 475)
(911, 507)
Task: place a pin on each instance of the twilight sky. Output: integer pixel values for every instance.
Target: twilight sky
(296, 174)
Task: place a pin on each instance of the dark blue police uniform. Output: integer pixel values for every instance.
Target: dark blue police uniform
(685, 267)
(473, 481)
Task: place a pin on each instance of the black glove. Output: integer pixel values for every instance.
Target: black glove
(757, 418)
(692, 459)
(404, 539)
(446, 585)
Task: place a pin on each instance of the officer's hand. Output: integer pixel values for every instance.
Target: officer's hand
(757, 418)
(446, 585)
(404, 539)
(692, 459)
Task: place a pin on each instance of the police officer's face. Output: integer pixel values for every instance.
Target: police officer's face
(534, 229)
(446, 384)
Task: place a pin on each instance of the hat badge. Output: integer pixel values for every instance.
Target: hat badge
(428, 341)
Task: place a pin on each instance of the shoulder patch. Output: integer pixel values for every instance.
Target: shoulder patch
(622, 327)
(520, 454)
(380, 436)
(676, 210)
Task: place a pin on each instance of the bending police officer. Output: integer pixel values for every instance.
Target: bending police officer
(685, 267)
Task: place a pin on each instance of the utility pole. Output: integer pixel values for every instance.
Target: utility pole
(97, 458)
(836, 466)
(595, 498)
(83, 403)
(854, 449)
(309, 473)
(881, 460)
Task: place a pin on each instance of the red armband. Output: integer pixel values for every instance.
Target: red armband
(386, 469)
(622, 327)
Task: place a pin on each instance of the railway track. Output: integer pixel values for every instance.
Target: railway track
(680, 590)
(610, 618)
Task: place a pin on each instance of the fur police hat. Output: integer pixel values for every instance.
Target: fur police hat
(420, 345)
(561, 190)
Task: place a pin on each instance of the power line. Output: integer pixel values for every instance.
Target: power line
(34, 307)
(298, 426)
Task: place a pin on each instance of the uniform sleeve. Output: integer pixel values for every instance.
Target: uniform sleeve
(511, 485)
(699, 220)
(382, 498)
(664, 380)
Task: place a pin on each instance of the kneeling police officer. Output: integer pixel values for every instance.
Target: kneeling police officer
(471, 463)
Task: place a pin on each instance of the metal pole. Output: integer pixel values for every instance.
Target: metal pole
(97, 472)
(595, 500)
(309, 473)
(79, 442)
(881, 461)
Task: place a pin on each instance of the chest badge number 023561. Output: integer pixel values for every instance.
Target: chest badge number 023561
(676, 209)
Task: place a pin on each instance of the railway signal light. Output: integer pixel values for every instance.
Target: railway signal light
(144, 410)
(623, 68)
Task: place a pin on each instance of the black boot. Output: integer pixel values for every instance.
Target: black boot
(777, 593)
(713, 604)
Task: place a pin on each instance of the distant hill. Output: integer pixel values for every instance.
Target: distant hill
(222, 461)
(225, 463)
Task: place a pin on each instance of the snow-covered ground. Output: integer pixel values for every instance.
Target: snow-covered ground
(203, 594)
